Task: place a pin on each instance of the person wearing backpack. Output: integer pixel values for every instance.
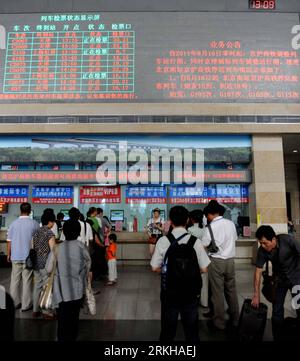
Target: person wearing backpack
(180, 258)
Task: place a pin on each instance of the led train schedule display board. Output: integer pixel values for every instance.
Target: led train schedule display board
(150, 57)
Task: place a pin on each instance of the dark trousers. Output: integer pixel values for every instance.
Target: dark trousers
(188, 311)
(68, 320)
(278, 311)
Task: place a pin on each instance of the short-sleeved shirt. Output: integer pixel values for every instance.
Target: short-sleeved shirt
(163, 244)
(225, 235)
(111, 252)
(54, 230)
(41, 245)
(86, 233)
(104, 224)
(196, 231)
(285, 259)
(20, 234)
(152, 226)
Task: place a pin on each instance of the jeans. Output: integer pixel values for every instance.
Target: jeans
(278, 311)
(188, 311)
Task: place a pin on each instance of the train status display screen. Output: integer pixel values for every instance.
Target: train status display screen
(150, 57)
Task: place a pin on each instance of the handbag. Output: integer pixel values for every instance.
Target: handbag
(31, 259)
(269, 285)
(212, 247)
(152, 239)
(45, 300)
(90, 299)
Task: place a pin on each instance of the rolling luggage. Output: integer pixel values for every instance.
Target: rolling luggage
(252, 322)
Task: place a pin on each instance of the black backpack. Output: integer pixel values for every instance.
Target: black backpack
(181, 277)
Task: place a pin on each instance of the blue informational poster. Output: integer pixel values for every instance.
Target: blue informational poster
(13, 194)
(52, 192)
(224, 193)
(52, 195)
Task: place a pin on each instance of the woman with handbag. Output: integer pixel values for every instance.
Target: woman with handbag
(155, 228)
(70, 280)
(43, 242)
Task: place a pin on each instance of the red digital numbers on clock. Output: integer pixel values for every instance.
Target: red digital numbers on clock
(262, 4)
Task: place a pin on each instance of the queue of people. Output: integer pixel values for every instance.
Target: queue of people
(67, 249)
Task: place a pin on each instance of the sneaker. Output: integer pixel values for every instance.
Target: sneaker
(27, 309)
(49, 316)
(110, 283)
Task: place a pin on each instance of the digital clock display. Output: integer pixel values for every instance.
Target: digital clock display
(262, 4)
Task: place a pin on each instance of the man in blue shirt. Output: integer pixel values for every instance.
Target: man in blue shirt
(19, 239)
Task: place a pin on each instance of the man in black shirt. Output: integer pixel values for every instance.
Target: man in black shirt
(284, 253)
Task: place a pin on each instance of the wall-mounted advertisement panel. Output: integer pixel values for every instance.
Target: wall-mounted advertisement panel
(75, 148)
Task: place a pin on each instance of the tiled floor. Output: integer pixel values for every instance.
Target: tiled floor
(130, 310)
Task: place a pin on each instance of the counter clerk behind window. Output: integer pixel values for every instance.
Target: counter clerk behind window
(155, 227)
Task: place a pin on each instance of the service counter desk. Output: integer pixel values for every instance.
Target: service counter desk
(3, 235)
(133, 248)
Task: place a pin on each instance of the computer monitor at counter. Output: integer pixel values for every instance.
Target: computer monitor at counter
(116, 215)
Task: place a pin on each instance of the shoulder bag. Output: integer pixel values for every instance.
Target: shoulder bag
(31, 259)
(90, 301)
(212, 247)
(45, 300)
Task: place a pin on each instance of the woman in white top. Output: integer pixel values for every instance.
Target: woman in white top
(155, 227)
(197, 230)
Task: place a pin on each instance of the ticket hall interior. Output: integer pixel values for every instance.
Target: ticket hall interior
(87, 86)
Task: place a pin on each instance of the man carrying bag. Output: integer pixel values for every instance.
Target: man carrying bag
(283, 251)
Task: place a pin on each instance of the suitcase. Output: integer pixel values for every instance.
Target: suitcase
(252, 322)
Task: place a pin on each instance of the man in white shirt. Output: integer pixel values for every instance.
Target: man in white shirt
(86, 233)
(188, 305)
(221, 272)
